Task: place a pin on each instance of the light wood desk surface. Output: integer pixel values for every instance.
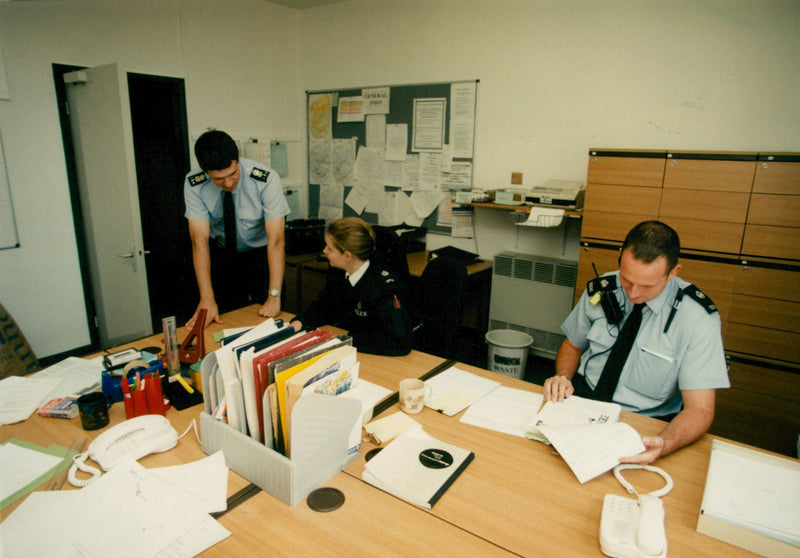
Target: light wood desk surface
(520, 495)
(516, 497)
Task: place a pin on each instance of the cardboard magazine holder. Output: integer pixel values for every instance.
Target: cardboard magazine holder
(321, 426)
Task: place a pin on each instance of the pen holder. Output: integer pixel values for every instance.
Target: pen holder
(142, 390)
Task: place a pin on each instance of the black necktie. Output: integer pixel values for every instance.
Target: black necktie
(604, 391)
(229, 213)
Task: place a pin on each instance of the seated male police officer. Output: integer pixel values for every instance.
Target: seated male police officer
(668, 365)
(235, 209)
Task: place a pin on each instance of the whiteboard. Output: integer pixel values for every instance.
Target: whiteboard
(8, 226)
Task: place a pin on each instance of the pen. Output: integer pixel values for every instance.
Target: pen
(657, 354)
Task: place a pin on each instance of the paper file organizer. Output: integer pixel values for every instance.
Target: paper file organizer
(321, 425)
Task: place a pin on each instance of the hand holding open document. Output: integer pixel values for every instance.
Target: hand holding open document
(592, 449)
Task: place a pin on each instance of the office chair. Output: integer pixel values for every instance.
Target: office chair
(439, 305)
(16, 356)
(390, 251)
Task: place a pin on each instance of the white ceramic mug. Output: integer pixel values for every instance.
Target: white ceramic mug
(413, 393)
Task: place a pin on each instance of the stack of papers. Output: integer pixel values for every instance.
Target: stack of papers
(506, 410)
(750, 500)
(454, 390)
(26, 466)
(417, 467)
(129, 512)
(21, 396)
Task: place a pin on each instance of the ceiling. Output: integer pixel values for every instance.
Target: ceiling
(303, 4)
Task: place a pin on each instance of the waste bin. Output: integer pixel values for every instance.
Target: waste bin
(508, 351)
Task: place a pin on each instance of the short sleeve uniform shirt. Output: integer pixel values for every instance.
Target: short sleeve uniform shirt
(258, 198)
(688, 356)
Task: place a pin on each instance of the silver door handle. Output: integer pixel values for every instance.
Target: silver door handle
(127, 256)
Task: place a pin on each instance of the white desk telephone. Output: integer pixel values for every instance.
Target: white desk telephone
(631, 528)
(131, 439)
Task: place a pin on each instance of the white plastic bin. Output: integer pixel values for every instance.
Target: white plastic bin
(508, 351)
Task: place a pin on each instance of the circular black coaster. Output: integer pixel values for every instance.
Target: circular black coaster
(325, 499)
(371, 453)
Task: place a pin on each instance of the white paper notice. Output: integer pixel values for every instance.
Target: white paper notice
(429, 116)
(376, 131)
(425, 202)
(411, 172)
(351, 109)
(430, 171)
(396, 142)
(462, 118)
(376, 100)
(343, 161)
(459, 177)
(357, 200)
(319, 162)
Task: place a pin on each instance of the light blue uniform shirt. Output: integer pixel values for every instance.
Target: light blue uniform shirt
(258, 198)
(688, 356)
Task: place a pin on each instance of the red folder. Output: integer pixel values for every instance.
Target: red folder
(261, 364)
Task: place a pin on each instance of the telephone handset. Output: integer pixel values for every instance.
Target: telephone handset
(631, 528)
(131, 439)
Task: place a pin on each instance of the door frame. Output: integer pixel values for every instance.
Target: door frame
(74, 195)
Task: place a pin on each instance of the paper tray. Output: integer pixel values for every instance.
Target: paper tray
(321, 425)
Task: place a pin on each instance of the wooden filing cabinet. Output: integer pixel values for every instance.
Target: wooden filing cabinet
(623, 187)
(773, 222)
(705, 198)
(738, 217)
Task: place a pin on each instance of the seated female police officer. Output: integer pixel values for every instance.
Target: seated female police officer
(360, 295)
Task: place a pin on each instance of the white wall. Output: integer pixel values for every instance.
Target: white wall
(239, 60)
(556, 77)
(559, 77)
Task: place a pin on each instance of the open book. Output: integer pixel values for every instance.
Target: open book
(592, 449)
(417, 467)
(573, 410)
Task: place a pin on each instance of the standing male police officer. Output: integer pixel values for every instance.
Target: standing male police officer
(235, 209)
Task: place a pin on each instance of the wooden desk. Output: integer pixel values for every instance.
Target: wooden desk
(521, 496)
(516, 497)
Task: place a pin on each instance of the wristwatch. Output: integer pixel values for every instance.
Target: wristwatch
(274, 292)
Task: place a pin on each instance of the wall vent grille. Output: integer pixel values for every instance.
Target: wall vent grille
(532, 294)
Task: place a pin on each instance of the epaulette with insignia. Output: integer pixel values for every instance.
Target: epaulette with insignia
(259, 174)
(701, 298)
(197, 179)
(601, 284)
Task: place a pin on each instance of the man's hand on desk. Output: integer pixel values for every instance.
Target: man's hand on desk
(212, 314)
(556, 388)
(271, 308)
(654, 446)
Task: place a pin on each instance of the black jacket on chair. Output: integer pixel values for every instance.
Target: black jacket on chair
(439, 305)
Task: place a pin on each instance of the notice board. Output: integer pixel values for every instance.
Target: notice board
(391, 154)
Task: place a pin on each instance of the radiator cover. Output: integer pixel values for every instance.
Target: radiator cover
(533, 294)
